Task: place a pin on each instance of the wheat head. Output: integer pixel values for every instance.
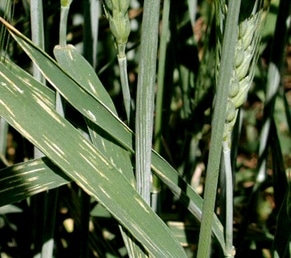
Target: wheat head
(251, 21)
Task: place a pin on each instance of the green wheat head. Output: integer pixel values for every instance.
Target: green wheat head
(117, 14)
(251, 21)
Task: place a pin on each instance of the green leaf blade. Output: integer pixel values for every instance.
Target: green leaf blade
(24, 180)
(89, 106)
(82, 72)
(165, 172)
(82, 162)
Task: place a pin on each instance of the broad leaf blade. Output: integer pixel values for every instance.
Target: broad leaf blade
(44, 92)
(82, 72)
(23, 180)
(82, 162)
(92, 108)
(121, 133)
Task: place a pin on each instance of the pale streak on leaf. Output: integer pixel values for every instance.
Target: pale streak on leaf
(32, 178)
(22, 174)
(30, 171)
(90, 146)
(7, 108)
(24, 132)
(146, 239)
(34, 163)
(34, 190)
(19, 167)
(27, 82)
(33, 171)
(112, 161)
(8, 88)
(82, 178)
(104, 191)
(70, 55)
(55, 148)
(103, 144)
(11, 84)
(4, 84)
(95, 152)
(142, 204)
(91, 115)
(38, 95)
(92, 87)
(94, 167)
(48, 109)
(83, 183)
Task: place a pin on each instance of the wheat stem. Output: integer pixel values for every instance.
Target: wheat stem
(117, 15)
(249, 32)
(145, 97)
(225, 73)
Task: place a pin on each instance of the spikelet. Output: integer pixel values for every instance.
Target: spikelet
(117, 14)
(251, 21)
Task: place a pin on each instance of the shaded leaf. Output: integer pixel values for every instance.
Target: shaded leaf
(282, 235)
(26, 179)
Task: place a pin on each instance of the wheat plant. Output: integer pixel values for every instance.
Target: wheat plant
(149, 154)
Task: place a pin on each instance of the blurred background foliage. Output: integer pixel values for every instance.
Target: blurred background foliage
(185, 133)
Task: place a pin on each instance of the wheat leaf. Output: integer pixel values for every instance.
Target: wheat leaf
(83, 163)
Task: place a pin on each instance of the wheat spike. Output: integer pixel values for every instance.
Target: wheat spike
(250, 25)
(116, 12)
